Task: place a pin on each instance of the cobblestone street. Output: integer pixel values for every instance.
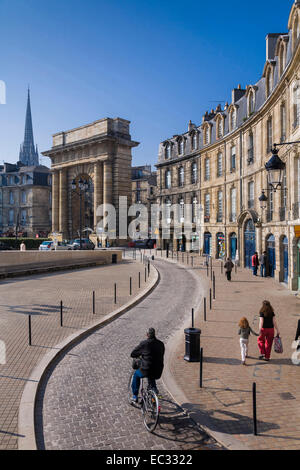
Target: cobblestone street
(83, 403)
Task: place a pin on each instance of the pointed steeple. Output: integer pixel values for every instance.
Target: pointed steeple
(28, 153)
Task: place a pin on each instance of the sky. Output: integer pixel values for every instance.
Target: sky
(157, 63)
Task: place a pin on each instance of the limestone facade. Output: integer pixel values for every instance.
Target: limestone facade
(220, 165)
(99, 153)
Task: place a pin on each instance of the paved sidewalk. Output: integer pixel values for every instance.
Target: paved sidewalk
(40, 296)
(224, 404)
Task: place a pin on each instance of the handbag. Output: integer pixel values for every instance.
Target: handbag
(278, 348)
(136, 364)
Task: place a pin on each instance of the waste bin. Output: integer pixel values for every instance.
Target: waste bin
(114, 258)
(192, 344)
(152, 257)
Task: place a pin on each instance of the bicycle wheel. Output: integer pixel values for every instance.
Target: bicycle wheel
(150, 410)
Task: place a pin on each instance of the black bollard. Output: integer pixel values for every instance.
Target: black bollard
(235, 268)
(192, 261)
(193, 318)
(214, 286)
(221, 267)
(254, 409)
(204, 308)
(29, 330)
(115, 293)
(130, 286)
(94, 309)
(201, 366)
(148, 268)
(210, 303)
(139, 280)
(61, 313)
(145, 274)
(207, 268)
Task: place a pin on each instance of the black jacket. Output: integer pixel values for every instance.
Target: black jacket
(152, 353)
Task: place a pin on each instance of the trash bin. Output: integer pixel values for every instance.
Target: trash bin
(192, 344)
(152, 257)
(114, 258)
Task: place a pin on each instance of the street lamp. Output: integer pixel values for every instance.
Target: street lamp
(82, 188)
(275, 170)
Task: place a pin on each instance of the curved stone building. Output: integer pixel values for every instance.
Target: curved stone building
(220, 165)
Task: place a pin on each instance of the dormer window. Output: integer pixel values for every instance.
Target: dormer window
(206, 135)
(296, 30)
(168, 151)
(181, 147)
(195, 141)
(251, 103)
(233, 119)
(220, 128)
(281, 60)
(269, 82)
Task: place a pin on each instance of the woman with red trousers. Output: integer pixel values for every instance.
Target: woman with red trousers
(267, 323)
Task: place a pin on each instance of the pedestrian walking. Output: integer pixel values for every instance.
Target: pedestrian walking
(244, 332)
(22, 247)
(255, 263)
(263, 264)
(228, 268)
(267, 324)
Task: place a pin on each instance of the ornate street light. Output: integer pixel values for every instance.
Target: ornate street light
(83, 187)
(263, 200)
(275, 168)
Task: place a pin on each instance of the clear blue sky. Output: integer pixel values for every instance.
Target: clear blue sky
(157, 63)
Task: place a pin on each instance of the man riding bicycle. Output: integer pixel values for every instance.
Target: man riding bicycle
(151, 351)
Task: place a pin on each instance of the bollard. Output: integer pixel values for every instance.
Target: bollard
(115, 293)
(235, 269)
(201, 366)
(210, 303)
(145, 274)
(211, 272)
(94, 302)
(193, 318)
(130, 286)
(61, 313)
(29, 330)
(254, 409)
(139, 280)
(148, 268)
(221, 267)
(207, 267)
(214, 286)
(192, 261)
(204, 308)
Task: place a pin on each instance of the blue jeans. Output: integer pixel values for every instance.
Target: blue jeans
(263, 270)
(136, 381)
(254, 268)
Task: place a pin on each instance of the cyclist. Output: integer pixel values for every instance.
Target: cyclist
(151, 351)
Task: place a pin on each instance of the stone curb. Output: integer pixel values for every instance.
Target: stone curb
(200, 418)
(26, 419)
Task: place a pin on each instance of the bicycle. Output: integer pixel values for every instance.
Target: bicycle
(148, 402)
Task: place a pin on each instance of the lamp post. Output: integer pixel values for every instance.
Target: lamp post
(275, 170)
(81, 189)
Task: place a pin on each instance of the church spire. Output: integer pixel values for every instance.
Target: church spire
(28, 153)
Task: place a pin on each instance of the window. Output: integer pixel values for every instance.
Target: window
(233, 158)
(233, 205)
(181, 176)
(181, 147)
(220, 207)
(296, 31)
(271, 205)
(194, 173)
(296, 100)
(283, 122)
(220, 165)
(251, 103)
(195, 141)
(250, 149)
(281, 60)
(23, 197)
(168, 210)
(220, 128)
(168, 151)
(168, 181)
(207, 207)
(251, 195)
(207, 135)
(194, 209)
(11, 217)
(284, 191)
(181, 203)
(269, 135)
(233, 119)
(269, 82)
(207, 169)
(11, 197)
(11, 180)
(23, 217)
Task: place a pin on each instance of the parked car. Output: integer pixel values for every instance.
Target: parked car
(50, 246)
(4, 246)
(86, 244)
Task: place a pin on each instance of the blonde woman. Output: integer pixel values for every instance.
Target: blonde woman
(244, 332)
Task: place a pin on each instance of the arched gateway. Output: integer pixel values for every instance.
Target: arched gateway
(99, 153)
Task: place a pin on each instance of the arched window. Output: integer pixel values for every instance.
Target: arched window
(296, 31)
(168, 151)
(195, 141)
(181, 176)
(251, 103)
(168, 181)
(194, 173)
(206, 136)
(181, 147)
(220, 128)
(250, 149)
(281, 60)
(233, 116)
(269, 82)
